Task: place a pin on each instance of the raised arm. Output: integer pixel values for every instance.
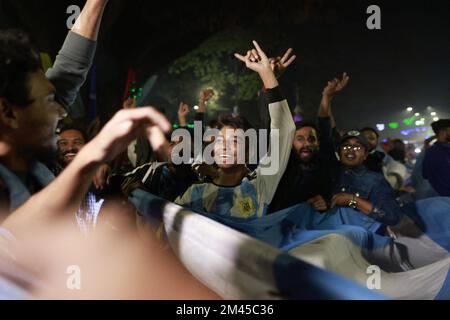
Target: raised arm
(328, 93)
(282, 126)
(257, 61)
(381, 206)
(75, 58)
(279, 66)
(88, 23)
(205, 96)
(183, 111)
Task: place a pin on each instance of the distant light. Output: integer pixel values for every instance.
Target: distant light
(409, 121)
(195, 107)
(424, 129)
(409, 109)
(435, 119)
(381, 127)
(417, 114)
(298, 118)
(418, 150)
(418, 123)
(429, 107)
(422, 119)
(393, 125)
(433, 114)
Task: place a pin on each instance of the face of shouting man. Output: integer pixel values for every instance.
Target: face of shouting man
(306, 144)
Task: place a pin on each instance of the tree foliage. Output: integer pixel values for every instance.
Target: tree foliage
(212, 64)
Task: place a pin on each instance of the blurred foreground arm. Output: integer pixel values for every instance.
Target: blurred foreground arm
(64, 195)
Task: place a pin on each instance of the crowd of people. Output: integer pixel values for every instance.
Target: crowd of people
(64, 195)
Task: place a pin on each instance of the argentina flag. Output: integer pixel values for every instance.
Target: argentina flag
(298, 253)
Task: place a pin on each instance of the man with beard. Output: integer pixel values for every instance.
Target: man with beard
(71, 140)
(436, 165)
(31, 103)
(313, 163)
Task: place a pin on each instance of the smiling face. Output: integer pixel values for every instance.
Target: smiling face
(70, 142)
(352, 153)
(306, 144)
(228, 146)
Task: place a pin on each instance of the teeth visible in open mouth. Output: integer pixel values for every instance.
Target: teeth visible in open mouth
(70, 155)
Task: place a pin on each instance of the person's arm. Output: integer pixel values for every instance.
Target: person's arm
(74, 60)
(381, 206)
(385, 208)
(279, 65)
(327, 125)
(74, 181)
(200, 114)
(282, 125)
(205, 96)
(328, 93)
(90, 18)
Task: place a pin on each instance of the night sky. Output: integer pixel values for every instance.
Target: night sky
(407, 63)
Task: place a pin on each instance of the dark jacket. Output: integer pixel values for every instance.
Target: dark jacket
(374, 161)
(373, 187)
(436, 167)
(300, 183)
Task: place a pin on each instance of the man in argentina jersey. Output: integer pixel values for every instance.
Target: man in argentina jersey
(235, 193)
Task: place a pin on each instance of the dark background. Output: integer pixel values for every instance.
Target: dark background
(407, 63)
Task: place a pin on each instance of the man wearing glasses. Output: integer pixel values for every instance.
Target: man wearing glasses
(365, 191)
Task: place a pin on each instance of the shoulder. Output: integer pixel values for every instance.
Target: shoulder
(372, 177)
(202, 189)
(432, 155)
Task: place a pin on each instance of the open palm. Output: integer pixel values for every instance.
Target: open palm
(336, 85)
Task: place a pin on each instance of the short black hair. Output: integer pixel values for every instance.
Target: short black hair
(236, 122)
(214, 123)
(370, 129)
(73, 126)
(439, 125)
(18, 59)
(306, 123)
